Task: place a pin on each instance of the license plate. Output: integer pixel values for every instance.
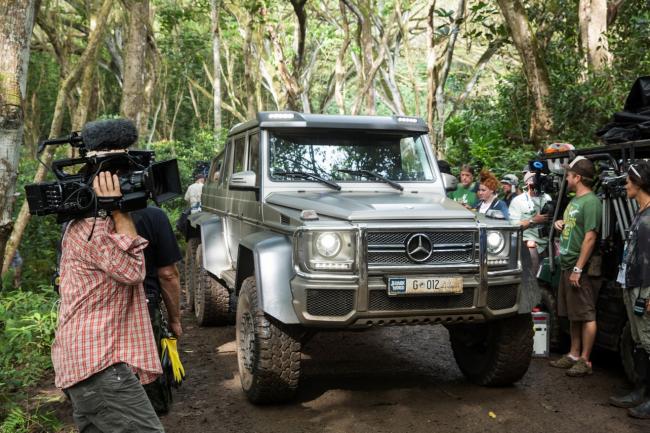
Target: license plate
(426, 285)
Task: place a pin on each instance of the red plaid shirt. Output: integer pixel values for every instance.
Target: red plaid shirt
(103, 315)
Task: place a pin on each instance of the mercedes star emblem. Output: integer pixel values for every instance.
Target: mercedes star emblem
(419, 247)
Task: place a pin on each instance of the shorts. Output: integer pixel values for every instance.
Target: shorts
(112, 401)
(577, 303)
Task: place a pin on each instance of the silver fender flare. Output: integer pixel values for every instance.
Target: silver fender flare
(269, 256)
(213, 243)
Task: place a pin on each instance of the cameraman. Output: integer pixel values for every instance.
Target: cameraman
(525, 210)
(161, 283)
(104, 336)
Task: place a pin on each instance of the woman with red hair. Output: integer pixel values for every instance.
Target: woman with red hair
(487, 194)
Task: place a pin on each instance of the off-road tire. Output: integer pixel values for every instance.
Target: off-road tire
(268, 352)
(211, 299)
(191, 271)
(626, 352)
(496, 353)
(555, 334)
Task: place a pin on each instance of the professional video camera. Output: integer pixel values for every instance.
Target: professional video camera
(103, 147)
(544, 182)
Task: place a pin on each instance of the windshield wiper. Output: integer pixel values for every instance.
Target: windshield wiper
(368, 173)
(306, 175)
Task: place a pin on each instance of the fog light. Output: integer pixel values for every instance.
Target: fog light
(332, 266)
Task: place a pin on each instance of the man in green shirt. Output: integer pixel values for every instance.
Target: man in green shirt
(465, 194)
(576, 294)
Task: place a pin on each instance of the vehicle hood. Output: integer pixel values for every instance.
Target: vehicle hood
(373, 206)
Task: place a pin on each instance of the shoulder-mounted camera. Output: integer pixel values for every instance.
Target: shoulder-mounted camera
(103, 146)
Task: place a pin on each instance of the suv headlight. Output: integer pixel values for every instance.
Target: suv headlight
(500, 243)
(326, 250)
(328, 244)
(495, 242)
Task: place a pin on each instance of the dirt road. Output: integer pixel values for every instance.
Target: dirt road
(389, 380)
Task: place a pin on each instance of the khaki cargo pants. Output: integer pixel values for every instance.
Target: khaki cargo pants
(112, 401)
(640, 325)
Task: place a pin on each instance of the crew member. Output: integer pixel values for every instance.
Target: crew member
(194, 191)
(162, 282)
(509, 184)
(487, 194)
(525, 210)
(104, 335)
(465, 194)
(576, 294)
(634, 276)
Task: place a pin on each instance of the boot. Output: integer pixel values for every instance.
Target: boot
(637, 395)
(642, 411)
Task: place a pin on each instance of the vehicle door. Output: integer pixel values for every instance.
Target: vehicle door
(213, 191)
(234, 197)
(249, 203)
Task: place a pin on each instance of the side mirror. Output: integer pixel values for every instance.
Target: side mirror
(243, 181)
(450, 182)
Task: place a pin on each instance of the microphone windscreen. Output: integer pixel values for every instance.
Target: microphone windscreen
(111, 134)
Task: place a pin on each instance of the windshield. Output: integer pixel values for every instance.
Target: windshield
(324, 153)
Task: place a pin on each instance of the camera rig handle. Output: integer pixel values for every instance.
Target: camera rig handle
(73, 139)
(59, 165)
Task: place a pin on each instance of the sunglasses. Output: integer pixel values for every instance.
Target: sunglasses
(635, 171)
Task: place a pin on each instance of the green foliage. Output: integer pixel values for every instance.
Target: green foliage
(27, 324)
(18, 420)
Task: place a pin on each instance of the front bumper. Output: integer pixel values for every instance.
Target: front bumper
(328, 304)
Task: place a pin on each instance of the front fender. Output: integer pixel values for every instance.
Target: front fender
(270, 257)
(215, 250)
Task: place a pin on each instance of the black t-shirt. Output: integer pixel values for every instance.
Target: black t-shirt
(153, 225)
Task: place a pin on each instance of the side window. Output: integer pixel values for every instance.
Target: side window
(254, 153)
(225, 176)
(216, 171)
(239, 156)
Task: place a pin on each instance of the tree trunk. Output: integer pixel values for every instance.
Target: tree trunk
(16, 24)
(432, 73)
(541, 122)
(87, 57)
(339, 70)
(249, 84)
(592, 15)
(459, 17)
(215, 10)
(135, 65)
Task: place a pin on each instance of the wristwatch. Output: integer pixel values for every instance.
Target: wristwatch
(577, 270)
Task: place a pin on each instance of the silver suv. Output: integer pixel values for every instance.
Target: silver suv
(315, 222)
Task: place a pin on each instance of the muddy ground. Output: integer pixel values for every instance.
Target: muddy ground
(400, 379)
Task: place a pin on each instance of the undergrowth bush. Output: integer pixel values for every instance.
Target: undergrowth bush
(27, 324)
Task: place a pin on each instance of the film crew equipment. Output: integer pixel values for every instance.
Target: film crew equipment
(544, 183)
(103, 146)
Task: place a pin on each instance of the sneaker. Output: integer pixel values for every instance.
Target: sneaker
(580, 369)
(565, 362)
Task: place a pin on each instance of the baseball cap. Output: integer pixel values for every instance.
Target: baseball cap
(510, 179)
(529, 177)
(582, 167)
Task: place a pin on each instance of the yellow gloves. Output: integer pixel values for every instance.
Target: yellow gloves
(170, 359)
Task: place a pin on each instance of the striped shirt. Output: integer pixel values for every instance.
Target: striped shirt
(103, 315)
